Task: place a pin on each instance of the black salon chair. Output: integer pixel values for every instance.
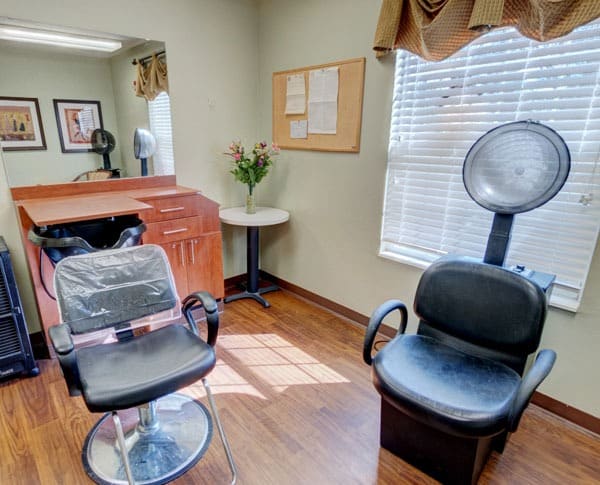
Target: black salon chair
(157, 434)
(453, 392)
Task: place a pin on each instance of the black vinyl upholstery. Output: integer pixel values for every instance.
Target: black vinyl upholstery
(483, 304)
(457, 382)
(109, 289)
(122, 375)
(460, 393)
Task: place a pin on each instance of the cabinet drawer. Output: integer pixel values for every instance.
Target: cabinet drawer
(175, 230)
(171, 208)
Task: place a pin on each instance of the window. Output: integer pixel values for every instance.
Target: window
(159, 112)
(441, 108)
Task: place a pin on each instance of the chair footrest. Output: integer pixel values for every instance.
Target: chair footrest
(180, 438)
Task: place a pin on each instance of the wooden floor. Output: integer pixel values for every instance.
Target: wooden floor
(298, 406)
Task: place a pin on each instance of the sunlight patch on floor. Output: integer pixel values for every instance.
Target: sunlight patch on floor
(222, 380)
(277, 362)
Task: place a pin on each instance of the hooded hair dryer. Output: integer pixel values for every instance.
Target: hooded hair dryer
(144, 146)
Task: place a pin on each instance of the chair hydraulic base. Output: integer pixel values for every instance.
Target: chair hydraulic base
(448, 458)
(163, 439)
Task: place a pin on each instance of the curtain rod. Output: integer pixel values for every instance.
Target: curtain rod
(147, 58)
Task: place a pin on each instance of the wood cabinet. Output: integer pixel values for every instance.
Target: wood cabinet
(192, 261)
(187, 227)
(181, 220)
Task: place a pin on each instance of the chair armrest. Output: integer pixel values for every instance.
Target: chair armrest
(205, 300)
(376, 318)
(539, 370)
(60, 337)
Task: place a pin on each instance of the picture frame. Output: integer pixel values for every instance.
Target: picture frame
(21, 125)
(76, 120)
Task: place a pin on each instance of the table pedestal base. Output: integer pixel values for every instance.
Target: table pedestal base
(252, 290)
(264, 216)
(254, 295)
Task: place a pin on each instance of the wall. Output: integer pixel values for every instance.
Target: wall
(47, 75)
(213, 75)
(330, 244)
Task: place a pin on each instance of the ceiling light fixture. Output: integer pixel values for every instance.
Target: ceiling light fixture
(19, 34)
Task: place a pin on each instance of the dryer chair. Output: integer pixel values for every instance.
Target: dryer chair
(454, 391)
(149, 434)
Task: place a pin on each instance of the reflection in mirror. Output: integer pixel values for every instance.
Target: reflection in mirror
(87, 79)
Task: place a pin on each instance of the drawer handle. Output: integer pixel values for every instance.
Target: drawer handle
(171, 209)
(174, 231)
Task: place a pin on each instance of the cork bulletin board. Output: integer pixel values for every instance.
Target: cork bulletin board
(351, 75)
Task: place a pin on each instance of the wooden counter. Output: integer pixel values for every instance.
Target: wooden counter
(59, 210)
(180, 219)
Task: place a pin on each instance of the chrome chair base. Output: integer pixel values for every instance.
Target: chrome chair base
(163, 439)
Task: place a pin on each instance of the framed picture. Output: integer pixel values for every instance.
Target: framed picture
(21, 124)
(76, 121)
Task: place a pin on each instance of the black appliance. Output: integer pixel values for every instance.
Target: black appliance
(16, 355)
(103, 143)
(515, 168)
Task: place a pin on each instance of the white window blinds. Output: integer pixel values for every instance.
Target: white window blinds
(441, 108)
(159, 112)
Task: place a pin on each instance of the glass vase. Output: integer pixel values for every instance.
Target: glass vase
(250, 203)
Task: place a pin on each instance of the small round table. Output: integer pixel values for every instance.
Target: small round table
(264, 216)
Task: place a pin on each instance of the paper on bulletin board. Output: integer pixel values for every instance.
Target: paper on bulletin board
(299, 129)
(295, 95)
(323, 100)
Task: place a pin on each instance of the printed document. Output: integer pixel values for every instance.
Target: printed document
(298, 129)
(323, 100)
(295, 95)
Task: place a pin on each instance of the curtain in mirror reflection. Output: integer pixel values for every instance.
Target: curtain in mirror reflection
(151, 78)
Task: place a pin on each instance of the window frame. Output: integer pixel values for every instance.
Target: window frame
(161, 126)
(564, 294)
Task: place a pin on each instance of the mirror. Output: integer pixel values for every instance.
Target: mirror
(59, 76)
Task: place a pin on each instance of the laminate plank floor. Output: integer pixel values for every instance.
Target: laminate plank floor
(298, 406)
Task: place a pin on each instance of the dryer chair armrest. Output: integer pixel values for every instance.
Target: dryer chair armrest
(376, 318)
(537, 373)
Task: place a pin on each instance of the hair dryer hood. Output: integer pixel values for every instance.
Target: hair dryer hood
(516, 167)
(144, 143)
(103, 141)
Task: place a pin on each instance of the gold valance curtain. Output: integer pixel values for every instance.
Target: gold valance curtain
(436, 29)
(151, 78)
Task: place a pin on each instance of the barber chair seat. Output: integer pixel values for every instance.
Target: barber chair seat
(454, 391)
(149, 434)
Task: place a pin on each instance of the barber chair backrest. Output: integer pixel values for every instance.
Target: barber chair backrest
(482, 308)
(106, 288)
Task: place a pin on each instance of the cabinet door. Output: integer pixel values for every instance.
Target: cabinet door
(176, 252)
(205, 267)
